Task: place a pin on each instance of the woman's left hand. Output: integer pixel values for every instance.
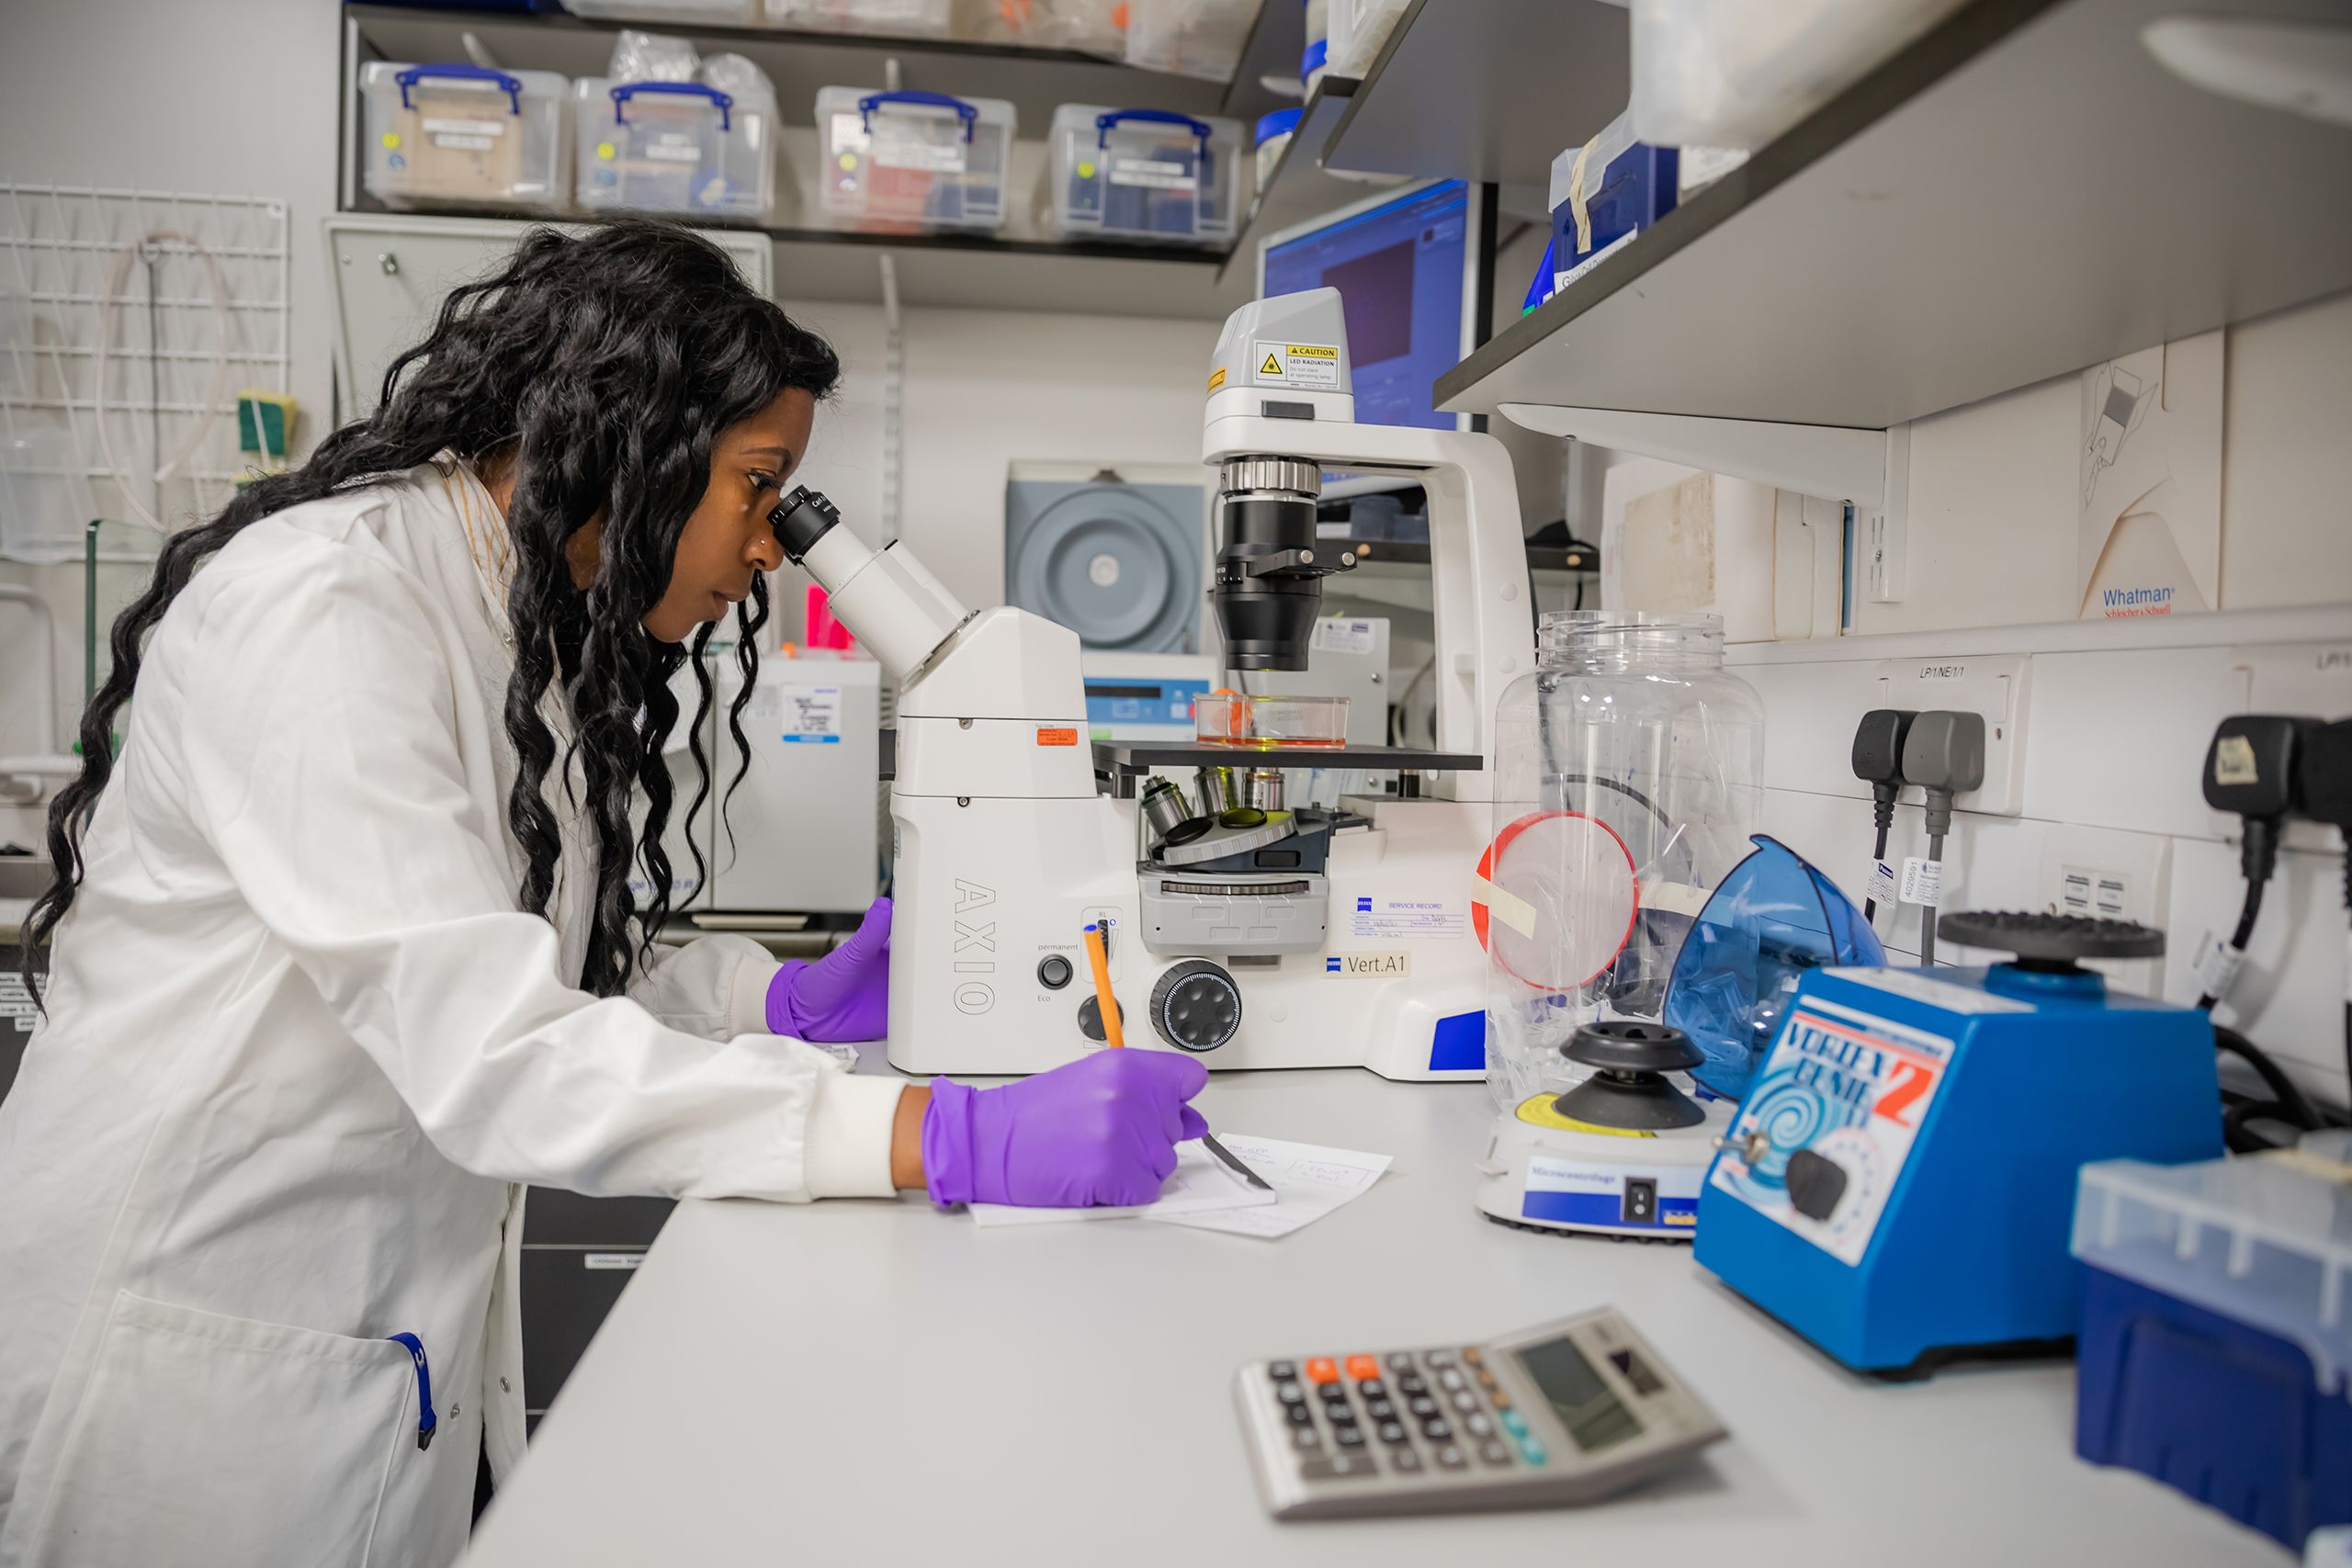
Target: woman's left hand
(845, 995)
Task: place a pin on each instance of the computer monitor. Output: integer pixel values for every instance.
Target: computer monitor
(1414, 270)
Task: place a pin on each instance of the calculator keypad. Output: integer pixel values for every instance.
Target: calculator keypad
(1411, 1401)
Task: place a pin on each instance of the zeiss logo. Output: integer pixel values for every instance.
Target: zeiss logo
(1364, 905)
(1331, 966)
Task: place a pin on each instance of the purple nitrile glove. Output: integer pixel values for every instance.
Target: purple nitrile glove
(1102, 1129)
(845, 995)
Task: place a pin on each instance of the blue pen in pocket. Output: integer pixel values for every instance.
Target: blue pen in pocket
(425, 1416)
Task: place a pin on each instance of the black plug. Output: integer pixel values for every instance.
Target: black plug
(2323, 785)
(1878, 758)
(1878, 761)
(2323, 794)
(2251, 772)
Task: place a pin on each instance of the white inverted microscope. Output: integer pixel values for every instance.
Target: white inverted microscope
(1254, 938)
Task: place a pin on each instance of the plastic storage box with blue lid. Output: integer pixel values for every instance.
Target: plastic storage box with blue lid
(911, 163)
(2217, 1324)
(676, 147)
(455, 134)
(1144, 175)
(1603, 194)
(914, 18)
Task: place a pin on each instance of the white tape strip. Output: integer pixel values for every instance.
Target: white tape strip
(1505, 906)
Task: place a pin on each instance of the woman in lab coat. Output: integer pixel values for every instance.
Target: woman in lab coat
(342, 948)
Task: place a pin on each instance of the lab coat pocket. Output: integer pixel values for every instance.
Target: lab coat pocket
(202, 1439)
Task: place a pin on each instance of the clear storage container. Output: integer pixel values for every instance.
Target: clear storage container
(727, 13)
(465, 135)
(912, 162)
(1143, 175)
(1628, 770)
(1359, 29)
(1736, 74)
(1096, 27)
(674, 147)
(1190, 38)
(920, 18)
(1274, 131)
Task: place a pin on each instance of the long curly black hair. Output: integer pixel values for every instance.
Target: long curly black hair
(604, 367)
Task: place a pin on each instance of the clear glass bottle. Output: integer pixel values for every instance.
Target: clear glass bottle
(1628, 776)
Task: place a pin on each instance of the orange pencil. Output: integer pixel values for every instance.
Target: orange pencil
(1101, 961)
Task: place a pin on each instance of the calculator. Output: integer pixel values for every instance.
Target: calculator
(1566, 1412)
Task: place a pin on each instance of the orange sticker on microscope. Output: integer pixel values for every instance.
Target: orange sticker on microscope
(1055, 736)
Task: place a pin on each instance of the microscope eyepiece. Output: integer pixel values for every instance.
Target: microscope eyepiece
(800, 520)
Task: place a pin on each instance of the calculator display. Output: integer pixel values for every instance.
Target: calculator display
(1593, 1415)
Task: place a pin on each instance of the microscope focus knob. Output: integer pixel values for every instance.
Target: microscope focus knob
(1196, 1006)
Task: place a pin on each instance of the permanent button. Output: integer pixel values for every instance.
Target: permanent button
(1400, 1362)
(1466, 1402)
(1439, 1357)
(1436, 1430)
(1471, 1355)
(1371, 1388)
(1412, 1383)
(1306, 1438)
(1350, 1435)
(1486, 1379)
(1450, 1457)
(1299, 1415)
(1282, 1372)
(1451, 1378)
(1532, 1451)
(1478, 1426)
(1499, 1399)
(1424, 1407)
(1405, 1460)
(1362, 1367)
(1290, 1393)
(1335, 1466)
(1392, 1431)
(1380, 1409)
(1321, 1369)
(1494, 1450)
(1514, 1422)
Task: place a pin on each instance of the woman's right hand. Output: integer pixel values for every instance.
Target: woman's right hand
(1102, 1129)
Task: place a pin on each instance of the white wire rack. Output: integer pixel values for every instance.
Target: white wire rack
(130, 321)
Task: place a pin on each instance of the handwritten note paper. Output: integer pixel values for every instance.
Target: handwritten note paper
(1199, 1184)
(1309, 1182)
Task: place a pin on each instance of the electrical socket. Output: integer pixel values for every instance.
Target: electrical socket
(1995, 687)
(2106, 873)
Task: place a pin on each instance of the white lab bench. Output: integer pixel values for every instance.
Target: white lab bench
(870, 1381)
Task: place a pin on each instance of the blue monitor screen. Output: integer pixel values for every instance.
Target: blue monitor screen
(1399, 269)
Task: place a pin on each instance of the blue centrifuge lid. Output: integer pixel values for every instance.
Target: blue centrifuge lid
(1773, 918)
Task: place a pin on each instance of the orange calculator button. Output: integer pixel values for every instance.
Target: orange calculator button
(1362, 1367)
(1320, 1369)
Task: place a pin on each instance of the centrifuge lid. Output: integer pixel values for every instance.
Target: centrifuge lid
(1773, 918)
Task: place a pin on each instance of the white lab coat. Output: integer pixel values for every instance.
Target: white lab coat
(303, 1050)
